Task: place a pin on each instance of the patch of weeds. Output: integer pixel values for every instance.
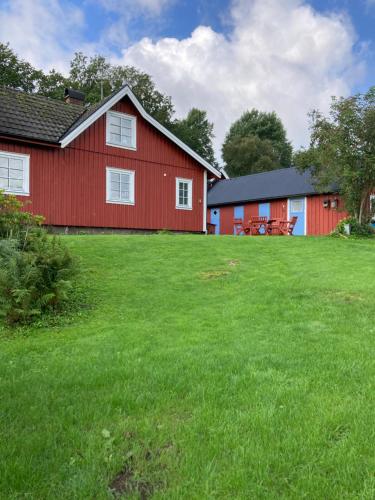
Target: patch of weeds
(209, 275)
(127, 483)
(344, 296)
(140, 473)
(338, 434)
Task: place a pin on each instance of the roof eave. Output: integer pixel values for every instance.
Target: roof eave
(254, 200)
(126, 91)
(30, 140)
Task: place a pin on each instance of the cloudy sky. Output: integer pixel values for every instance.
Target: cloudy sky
(224, 56)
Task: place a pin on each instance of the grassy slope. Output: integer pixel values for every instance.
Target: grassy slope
(258, 383)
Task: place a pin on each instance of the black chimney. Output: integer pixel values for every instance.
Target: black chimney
(72, 96)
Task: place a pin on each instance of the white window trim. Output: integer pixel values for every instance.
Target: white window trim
(190, 194)
(110, 170)
(133, 119)
(26, 173)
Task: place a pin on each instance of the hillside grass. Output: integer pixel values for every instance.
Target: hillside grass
(207, 367)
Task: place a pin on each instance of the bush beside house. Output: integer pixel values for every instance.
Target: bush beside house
(36, 270)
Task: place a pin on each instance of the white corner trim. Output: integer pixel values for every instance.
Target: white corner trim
(26, 173)
(226, 176)
(305, 228)
(126, 91)
(205, 201)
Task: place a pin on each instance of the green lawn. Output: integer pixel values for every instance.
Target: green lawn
(209, 367)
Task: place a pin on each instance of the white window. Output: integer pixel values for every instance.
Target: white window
(184, 193)
(14, 173)
(120, 186)
(296, 206)
(121, 130)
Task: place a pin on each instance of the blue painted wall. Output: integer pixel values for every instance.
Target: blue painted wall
(264, 210)
(239, 214)
(215, 219)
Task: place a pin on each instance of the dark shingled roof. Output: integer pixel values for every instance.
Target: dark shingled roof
(279, 183)
(36, 117)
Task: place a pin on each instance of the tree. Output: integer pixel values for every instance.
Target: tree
(249, 155)
(96, 77)
(52, 84)
(342, 151)
(252, 128)
(16, 73)
(197, 132)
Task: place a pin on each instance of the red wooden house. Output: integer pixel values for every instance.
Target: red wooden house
(282, 193)
(107, 166)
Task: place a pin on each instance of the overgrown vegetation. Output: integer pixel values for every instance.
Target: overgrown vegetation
(351, 227)
(341, 155)
(36, 270)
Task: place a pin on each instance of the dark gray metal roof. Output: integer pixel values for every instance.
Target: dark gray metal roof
(279, 183)
(36, 117)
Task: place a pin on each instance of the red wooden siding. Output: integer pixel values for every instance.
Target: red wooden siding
(279, 209)
(226, 219)
(250, 210)
(322, 220)
(68, 186)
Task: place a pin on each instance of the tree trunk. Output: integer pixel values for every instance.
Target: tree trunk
(364, 207)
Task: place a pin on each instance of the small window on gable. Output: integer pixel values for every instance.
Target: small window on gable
(14, 173)
(121, 130)
(120, 186)
(184, 193)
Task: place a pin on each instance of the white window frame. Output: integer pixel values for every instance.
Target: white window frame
(26, 173)
(109, 171)
(189, 206)
(133, 120)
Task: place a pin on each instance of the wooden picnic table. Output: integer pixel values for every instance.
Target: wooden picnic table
(265, 226)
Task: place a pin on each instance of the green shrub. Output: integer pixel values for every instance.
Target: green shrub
(15, 223)
(36, 270)
(356, 229)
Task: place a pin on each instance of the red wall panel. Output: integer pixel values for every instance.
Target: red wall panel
(226, 219)
(279, 209)
(250, 210)
(322, 220)
(68, 186)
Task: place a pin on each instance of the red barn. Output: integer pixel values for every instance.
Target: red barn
(282, 193)
(107, 166)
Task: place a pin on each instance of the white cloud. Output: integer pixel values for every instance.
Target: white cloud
(281, 56)
(151, 7)
(128, 11)
(43, 32)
